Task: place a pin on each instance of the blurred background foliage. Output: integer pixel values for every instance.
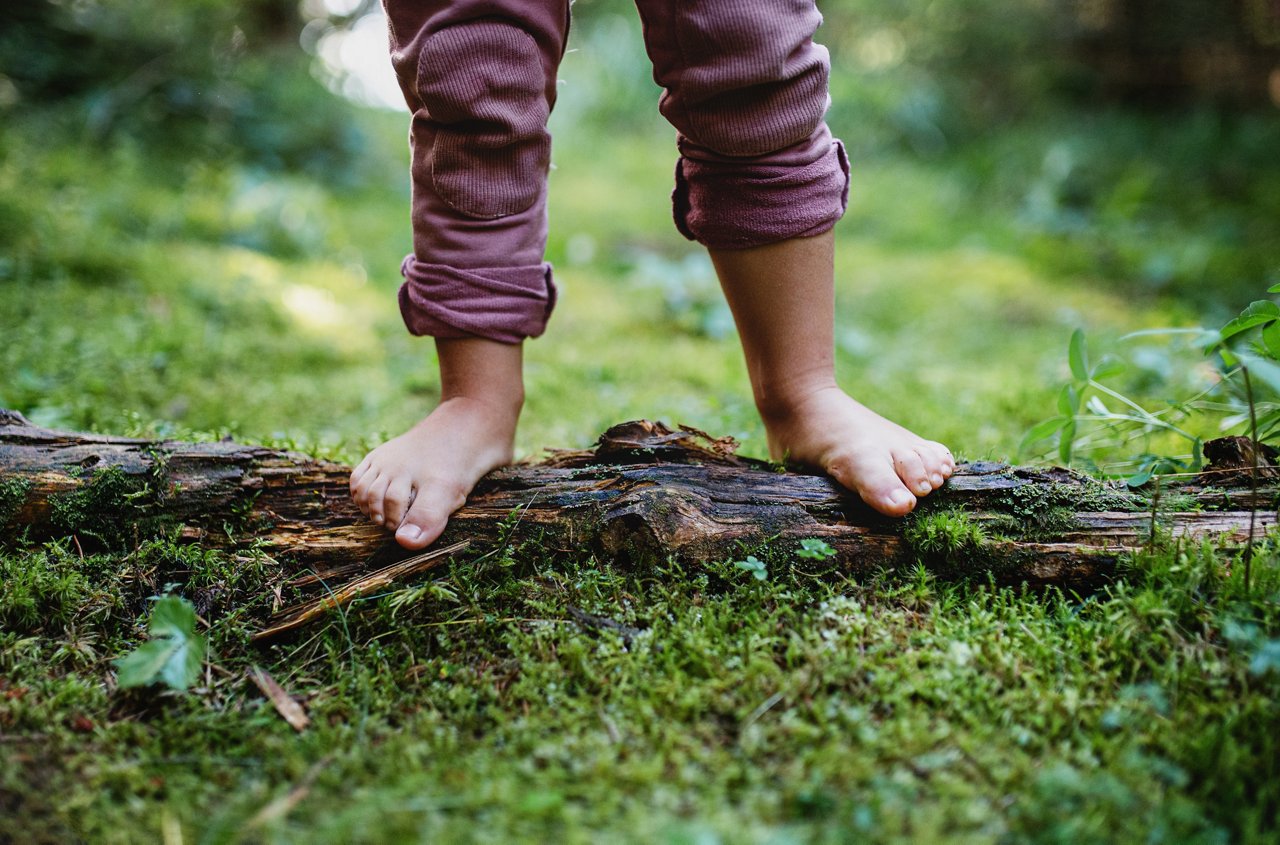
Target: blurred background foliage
(218, 79)
(928, 74)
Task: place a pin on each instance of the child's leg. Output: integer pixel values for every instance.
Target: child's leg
(782, 299)
(761, 182)
(479, 76)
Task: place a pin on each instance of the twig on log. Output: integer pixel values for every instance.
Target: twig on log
(299, 615)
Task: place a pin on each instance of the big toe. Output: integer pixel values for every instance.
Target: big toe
(872, 476)
(426, 518)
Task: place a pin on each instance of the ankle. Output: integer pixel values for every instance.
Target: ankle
(503, 406)
(779, 404)
(482, 376)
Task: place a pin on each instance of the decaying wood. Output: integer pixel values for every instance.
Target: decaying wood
(643, 491)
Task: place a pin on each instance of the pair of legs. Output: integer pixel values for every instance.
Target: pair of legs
(413, 483)
(760, 182)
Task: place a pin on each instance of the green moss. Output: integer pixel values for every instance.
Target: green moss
(112, 506)
(13, 492)
(1040, 512)
(951, 542)
(944, 533)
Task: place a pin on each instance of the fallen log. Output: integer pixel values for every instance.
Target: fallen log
(645, 490)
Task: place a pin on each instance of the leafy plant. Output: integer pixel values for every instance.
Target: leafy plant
(1245, 396)
(174, 653)
(753, 565)
(1084, 401)
(1257, 404)
(815, 549)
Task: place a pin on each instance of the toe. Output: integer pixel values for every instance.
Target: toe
(375, 497)
(873, 477)
(395, 502)
(359, 472)
(932, 463)
(912, 471)
(425, 520)
(360, 491)
(945, 458)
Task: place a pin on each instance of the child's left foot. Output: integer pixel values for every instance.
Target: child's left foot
(884, 463)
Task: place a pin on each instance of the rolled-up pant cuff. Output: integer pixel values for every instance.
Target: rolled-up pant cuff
(506, 304)
(729, 205)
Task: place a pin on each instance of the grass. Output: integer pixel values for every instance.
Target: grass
(892, 710)
(179, 296)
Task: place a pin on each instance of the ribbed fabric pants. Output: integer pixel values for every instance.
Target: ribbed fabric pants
(744, 85)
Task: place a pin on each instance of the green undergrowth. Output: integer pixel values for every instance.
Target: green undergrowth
(112, 507)
(13, 492)
(514, 696)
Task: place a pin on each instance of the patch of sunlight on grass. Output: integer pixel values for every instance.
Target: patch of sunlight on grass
(312, 307)
(331, 299)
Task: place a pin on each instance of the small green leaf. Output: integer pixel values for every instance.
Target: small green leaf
(815, 549)
(1066, 440)
(1041, 430)
(1271, 339)
(1274, 288)
(172, 616)
(1262, 370)
(753, 565)
(1068, 401)
(1078, 356)
(1202, 336)
(144, 665)
(173, 655)
(1139, 478)
(1255, 314)
(1197, 455)
(1109, 366)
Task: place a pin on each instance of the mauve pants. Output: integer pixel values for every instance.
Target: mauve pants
(745, 87)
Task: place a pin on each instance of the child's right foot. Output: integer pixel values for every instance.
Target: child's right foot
(412, 484)
(888, 466)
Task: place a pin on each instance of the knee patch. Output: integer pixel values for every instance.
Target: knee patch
(484, 89)
(754, 80)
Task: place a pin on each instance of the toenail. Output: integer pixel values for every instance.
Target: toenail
(937, 479)
(900, 497)
(376, 517)
(923, 487)
(410, 532)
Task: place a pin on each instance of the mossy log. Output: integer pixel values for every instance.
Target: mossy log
(643, 491)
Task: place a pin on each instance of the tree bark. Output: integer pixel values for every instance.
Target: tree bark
(643, 491)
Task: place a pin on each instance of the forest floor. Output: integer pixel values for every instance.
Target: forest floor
(193, 299)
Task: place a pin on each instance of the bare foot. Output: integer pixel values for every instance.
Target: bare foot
(414, 483)
(888, 466)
